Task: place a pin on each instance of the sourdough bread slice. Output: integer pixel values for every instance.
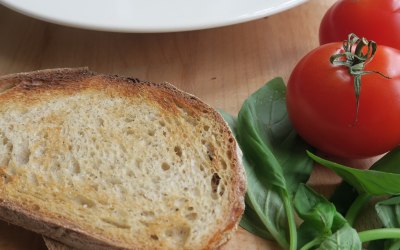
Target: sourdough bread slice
(100, 162)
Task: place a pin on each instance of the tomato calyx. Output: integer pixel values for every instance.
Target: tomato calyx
(354, 58)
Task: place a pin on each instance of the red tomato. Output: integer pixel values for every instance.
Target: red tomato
(378, 20)
(321, 103)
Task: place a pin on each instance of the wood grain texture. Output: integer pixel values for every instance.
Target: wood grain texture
(222, 66)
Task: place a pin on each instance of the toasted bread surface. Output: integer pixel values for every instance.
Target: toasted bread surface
(98, 162)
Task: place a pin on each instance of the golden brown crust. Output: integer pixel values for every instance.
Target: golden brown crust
(49, 77)
(67, 81)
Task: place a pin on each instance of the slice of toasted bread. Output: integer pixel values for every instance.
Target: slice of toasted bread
(100, 162)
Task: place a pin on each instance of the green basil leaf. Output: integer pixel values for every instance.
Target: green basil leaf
(365, 181)
(346, 238)
(274, 160)
(322, 225)
(269, 217)
(268, 205)
(277, 155)
(389, 162)
(264, 125)
(345, 194)
(320, 217)
(315, 209)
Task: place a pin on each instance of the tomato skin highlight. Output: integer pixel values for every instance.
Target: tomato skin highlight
(321, 104)
(377, 20)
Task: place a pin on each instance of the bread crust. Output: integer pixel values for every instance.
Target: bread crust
(67, 81)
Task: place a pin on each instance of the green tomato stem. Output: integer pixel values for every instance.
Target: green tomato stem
(291, 221)
(379, 234)
(355, 60)
(356, 206)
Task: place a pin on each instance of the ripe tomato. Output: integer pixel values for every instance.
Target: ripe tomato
(321, 103)
(378, 20)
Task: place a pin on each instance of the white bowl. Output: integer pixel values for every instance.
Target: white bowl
(149, 15)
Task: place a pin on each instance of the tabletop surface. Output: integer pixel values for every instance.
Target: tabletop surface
(221, 66)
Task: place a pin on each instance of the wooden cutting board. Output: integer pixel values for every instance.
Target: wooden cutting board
(222, 66)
